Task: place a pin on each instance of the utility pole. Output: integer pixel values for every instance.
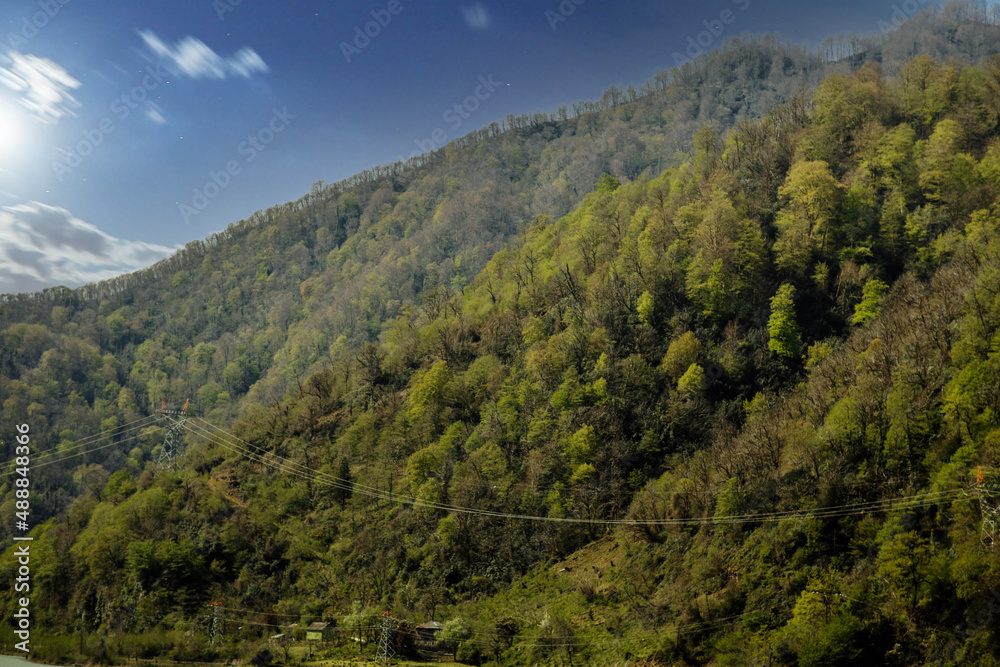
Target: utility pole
(386, 654)
(173, 443)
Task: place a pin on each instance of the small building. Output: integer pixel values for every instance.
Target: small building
(427, 632)
(279, 639)
(318, 631)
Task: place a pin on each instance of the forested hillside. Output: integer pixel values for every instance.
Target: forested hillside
(726, 406)
(243, 317)
(247, 315)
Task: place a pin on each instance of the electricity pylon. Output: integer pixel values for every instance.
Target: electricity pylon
(989, 508)
(386, 653)
(216, 634)
(173, 442)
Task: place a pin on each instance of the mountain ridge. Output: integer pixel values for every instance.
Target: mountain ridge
(731, 337)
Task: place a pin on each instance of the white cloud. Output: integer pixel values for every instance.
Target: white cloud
(246, 62)
(155, 113)
(44, 246)
(193, 57)
(477, 16)
(40, 85)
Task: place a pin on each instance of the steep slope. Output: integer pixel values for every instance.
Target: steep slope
(242, 318)
(738, 364)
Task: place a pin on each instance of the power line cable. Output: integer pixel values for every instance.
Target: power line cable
(916, 501)
(45, 458)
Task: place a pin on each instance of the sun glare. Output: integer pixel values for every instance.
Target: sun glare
(10, 131)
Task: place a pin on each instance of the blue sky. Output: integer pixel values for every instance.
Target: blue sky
(128, 128)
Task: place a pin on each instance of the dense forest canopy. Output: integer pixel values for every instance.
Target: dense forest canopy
(701, 371)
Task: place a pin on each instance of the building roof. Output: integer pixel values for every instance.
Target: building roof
(430, 625)
(317, 626)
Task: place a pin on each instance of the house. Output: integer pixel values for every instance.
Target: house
(318, 631)
(427, 632)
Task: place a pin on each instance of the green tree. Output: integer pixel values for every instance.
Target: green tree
(782, 327)
(925, 90)
(945, 173)
(793, 247)
(683, 352)
(707, 147)
(843, 105)
(580, 445)
(422, 465)
(729, 501)
(711, 288)
(361, 620)
(903, 562)
(454, 632)
(345, 485)
(427, 392)
(890, 159)
(814, 196)
(608, 184)
(872, 294)
(644, 308)
(693, 380)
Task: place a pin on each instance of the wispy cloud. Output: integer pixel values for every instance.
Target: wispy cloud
(194, 58)
(44, 246)
(477, 16)
(155, 113)
(40, 85)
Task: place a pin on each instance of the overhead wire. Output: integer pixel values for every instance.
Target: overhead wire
(218, 436)
(266, 453)
(854, 508)
(231, 442)
(226, 440)
(44, 458)
(95, 436)
(73, 455)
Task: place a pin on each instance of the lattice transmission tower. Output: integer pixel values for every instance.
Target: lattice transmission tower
(216, 634)
(173, 441)
(989, 508)
(386, 653)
